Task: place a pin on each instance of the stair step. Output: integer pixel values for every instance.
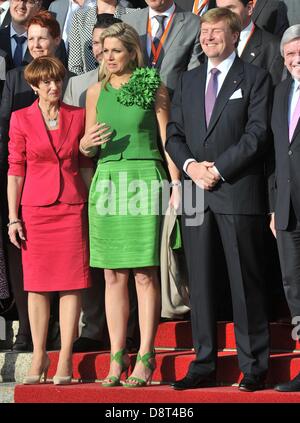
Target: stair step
(94, 393)
(179, 335)
(174, 365)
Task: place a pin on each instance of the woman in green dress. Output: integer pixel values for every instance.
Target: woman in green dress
(124, 114)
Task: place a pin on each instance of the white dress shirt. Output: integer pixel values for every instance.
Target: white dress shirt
(223, 68)
(13, 43)
(244, 36)
(5, 7)
(293, 99)
(155, 25)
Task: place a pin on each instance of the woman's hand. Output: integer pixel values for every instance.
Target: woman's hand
(96, 135)
(15, 230)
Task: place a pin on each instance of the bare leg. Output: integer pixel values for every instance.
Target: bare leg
(149, 302)
(117, 313)
(39, 313)
(69, 311)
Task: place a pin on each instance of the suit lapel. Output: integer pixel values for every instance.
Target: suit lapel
(285, 110)
(27, 58)
(65, 120)
(142, 28)
(39, 127)
(197, 100)
(230, 85)
(253, 48)
(175, 28)
(6, 43)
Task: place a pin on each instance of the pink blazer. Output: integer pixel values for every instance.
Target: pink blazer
(49, 176)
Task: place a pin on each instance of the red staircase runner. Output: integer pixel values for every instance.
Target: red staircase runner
(172, 365)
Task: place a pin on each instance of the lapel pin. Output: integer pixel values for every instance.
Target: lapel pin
(253, 54)
(234, 82)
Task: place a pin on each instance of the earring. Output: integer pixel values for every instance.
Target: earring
(35, 92)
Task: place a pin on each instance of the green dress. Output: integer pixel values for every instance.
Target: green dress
(125, 205)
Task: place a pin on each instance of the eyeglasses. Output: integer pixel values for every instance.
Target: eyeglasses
(31, 3)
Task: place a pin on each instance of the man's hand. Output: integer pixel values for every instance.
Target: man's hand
(202, 174)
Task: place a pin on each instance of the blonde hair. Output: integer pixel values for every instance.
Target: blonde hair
(222, 13)
(131, 41)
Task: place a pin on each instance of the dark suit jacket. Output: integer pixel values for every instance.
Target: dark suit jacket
(7, 20)
(236, 139)
(5, 45)
(263, 50)
(271, 15)
(287, 156)
(188, 4)
(16, 95)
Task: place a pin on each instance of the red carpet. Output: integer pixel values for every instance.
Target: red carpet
(94, 393)
(172, 365)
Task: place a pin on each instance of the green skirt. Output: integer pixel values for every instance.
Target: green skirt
(125, 213)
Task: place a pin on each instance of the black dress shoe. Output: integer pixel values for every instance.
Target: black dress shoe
(291, 386)
(193, 382)
(22, 344)
(251, 383)
(86, 345)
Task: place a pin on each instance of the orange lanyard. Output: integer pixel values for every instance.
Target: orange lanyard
(156, 51)
(248, 39)
(198, 7)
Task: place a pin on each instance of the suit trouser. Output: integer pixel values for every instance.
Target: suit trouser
(242, 241)
(288, 242)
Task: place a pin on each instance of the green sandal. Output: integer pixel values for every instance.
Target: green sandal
(145, 359)
(115, 381)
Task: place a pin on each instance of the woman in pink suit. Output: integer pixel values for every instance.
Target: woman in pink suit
(46, 177)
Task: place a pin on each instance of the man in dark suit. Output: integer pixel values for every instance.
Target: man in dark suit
(285, 223)
(175, 33)
(16, 95)
(256, 46)
(218, 135)
(271, 15)
(197, 6)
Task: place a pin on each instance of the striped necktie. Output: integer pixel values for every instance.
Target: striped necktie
(200, 7)
(159, 33)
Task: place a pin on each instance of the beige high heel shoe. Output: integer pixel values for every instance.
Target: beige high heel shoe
(35, 379)
(62, 380)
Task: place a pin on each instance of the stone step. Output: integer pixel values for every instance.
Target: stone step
(7, 392)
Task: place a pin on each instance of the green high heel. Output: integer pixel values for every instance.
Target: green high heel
(118, 357)
(145, 359)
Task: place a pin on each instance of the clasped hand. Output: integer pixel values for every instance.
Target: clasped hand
(203, 174)
(96, 135)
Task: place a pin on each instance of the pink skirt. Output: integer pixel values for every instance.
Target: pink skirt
(55, 255)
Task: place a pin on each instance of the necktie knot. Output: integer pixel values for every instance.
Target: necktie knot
(160, 19)
(214, 72)
(19, 40)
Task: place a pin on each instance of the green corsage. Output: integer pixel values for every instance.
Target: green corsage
(140, 89)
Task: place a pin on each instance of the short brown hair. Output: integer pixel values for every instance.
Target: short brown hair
(222, 13)
(45, 19)
(44, 69)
